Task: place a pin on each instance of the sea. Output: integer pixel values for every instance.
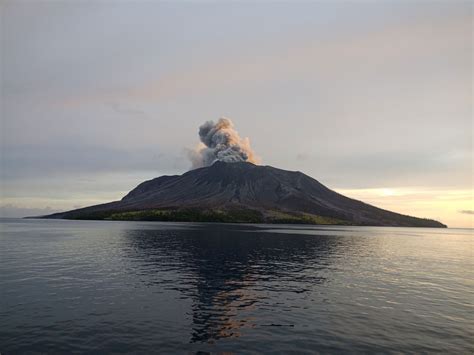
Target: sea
(196, 288)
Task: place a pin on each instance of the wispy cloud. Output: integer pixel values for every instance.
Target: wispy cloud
(467, 211)
(125, 110)
(398, 46)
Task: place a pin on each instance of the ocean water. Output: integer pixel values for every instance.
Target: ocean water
(95, 287)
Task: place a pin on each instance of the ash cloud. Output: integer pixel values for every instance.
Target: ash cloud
(220, 141)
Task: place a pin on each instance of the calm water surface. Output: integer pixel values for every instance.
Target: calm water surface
(80, 286)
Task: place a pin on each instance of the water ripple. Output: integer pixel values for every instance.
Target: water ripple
(174, 287)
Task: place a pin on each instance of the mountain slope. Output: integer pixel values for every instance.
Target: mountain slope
(267, 191)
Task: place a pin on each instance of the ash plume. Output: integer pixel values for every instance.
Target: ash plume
(220, 141)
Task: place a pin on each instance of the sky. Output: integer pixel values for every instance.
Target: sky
(372, 99)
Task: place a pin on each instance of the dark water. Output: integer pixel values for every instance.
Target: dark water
(68, 286)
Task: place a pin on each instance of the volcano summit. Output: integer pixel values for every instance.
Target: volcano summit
(243, 192)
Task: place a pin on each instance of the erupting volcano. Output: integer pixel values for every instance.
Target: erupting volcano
(225, 185)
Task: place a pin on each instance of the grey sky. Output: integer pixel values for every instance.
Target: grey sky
(356, 94)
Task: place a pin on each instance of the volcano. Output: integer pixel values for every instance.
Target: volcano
(243, 192)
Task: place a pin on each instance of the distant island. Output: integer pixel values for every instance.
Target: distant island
(242, 192)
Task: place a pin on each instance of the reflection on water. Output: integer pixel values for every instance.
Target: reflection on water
(77, 286)
(220, 267)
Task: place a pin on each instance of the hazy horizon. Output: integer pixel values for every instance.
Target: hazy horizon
(374, 100)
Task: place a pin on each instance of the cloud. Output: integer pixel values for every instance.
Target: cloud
(122, 109)
(400, 47)
(60, 159)
(467, 211)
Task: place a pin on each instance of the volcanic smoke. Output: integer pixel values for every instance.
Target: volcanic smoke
(220, 141)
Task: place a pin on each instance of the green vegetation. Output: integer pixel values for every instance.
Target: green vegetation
(230, 215)
(302, 218)
(191, 215)
(89, 215)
